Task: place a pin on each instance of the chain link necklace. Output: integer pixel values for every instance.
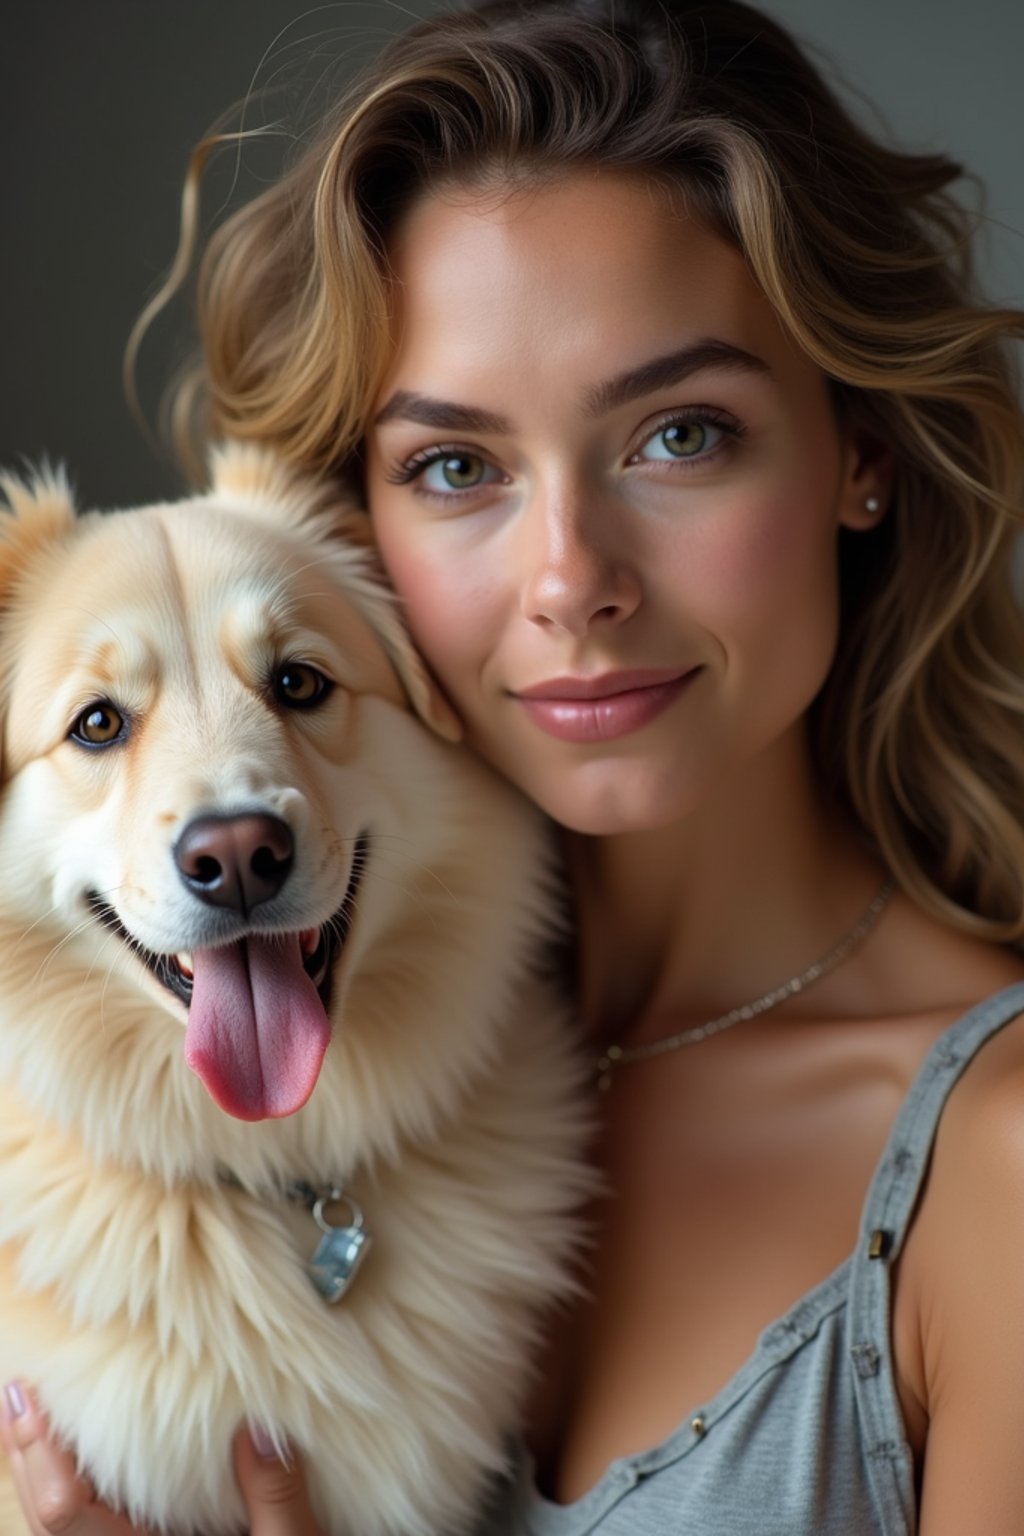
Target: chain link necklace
(616, 1056)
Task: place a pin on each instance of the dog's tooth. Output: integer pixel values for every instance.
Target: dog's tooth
(185, 963)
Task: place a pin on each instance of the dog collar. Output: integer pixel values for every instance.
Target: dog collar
(341, 1249)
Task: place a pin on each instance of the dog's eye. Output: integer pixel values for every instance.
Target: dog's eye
(99, 726)
(297, 685)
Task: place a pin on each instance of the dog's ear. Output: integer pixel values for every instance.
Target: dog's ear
(424, 694)
(253, 477)
(361, 577)
(250, 472)
(35, 512)
(357, 565)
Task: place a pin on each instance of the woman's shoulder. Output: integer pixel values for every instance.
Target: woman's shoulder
(958, 1323)
(977, 1167)
(979, 1146)
(981, 1131)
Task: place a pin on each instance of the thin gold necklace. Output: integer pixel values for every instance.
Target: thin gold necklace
(616, 1056)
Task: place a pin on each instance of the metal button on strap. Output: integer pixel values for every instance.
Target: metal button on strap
(698, 1426)
(879, 1244)
(866, 1360)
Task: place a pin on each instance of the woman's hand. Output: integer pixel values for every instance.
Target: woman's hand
(59, 1503)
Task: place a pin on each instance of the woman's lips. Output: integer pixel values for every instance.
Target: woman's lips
(602, 708)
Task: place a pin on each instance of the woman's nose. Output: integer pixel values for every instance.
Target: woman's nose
(576, 575)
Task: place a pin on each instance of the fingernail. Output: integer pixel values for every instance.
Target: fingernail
(15, 1399)
(264, 1443)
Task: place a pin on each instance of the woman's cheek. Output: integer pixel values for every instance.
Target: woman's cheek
(764, 554)
(763, 588)
(440, 603)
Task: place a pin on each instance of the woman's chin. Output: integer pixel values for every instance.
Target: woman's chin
(612, 803)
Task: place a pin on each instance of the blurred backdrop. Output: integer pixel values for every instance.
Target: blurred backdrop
(103, 99)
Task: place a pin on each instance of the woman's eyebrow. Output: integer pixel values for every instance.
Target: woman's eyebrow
(429, 412)
(663, 372)
(659, 373)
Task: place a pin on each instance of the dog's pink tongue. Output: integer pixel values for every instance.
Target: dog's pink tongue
(257, 1031)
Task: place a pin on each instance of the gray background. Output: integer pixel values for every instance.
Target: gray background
(103, 99)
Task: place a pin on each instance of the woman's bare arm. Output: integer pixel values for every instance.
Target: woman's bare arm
(970, 1261)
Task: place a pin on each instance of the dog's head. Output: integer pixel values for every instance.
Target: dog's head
(187, 694)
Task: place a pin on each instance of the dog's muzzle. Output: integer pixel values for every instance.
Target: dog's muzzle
(237, 862)
(321, 946)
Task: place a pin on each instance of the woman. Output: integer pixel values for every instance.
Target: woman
(697, 466)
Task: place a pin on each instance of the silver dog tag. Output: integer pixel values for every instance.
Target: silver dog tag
(340, 1251)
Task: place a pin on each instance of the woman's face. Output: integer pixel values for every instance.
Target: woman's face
(607, 488)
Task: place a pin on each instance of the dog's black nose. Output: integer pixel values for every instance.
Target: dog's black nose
(235, 861)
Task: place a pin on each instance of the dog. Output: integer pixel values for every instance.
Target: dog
(291, 1121)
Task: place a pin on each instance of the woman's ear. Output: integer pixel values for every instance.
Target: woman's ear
(867, 482)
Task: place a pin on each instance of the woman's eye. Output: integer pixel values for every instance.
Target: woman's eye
(99, 726)
(681, 440)
(297, 685)
(457, 472)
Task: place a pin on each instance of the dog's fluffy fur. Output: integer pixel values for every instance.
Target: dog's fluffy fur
(156, 1302)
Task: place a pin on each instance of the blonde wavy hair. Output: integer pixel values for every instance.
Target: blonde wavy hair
(862, 251)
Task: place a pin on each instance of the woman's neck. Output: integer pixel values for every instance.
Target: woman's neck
(681, 923)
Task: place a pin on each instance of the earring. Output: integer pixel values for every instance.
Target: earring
(872, 504)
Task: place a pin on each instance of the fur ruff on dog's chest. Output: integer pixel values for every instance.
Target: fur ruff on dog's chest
(161, 1321)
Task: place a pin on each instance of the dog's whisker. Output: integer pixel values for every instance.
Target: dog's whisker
(381, 840)
(390, 842)
(377, 877)
(425, 869)
(73, 933)
(103, 993)
(54, 950)
(25, 932)
(45, 917)
(108, 938)
(118, 641)
(408, 864)
(415, 898)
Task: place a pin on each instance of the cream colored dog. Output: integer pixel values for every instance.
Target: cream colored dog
(268, 1015)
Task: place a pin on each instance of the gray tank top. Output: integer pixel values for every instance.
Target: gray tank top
(807, 1438)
